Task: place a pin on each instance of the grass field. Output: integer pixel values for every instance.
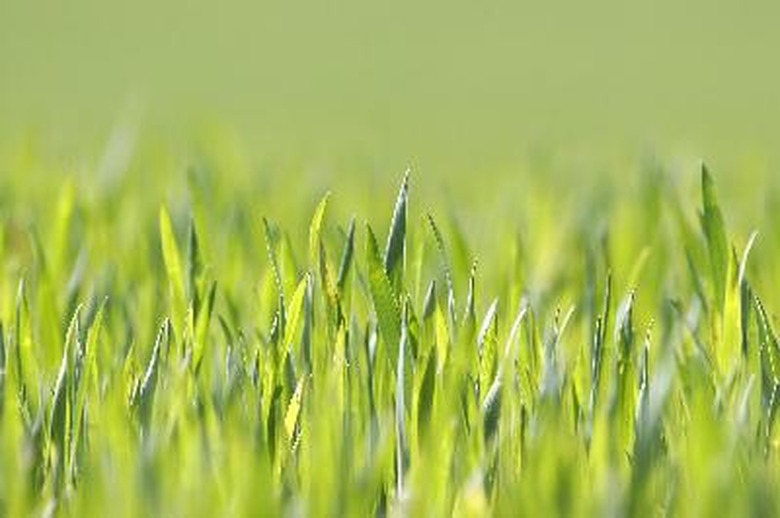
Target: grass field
(349, 258)
(218, 342)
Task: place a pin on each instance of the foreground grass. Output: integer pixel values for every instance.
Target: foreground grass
(201, 361)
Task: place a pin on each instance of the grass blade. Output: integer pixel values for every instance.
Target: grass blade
(384, 300)
(396, 238)
(172, 260)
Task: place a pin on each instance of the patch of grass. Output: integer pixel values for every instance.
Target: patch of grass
(612, 365)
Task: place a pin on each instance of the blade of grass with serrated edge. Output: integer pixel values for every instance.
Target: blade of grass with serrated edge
(769, 351)
(396, 238)
(770, 364)
(384, 300)
(487, 323)
(447, 273)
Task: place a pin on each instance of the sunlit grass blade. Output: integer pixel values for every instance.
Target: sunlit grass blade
(447, 273)
(61, 414)
(715, 231)
(293, 412)
(144, 398)
(395, 248)
(294, 312)
(172, 260)
(89, 381)
(202, 325)
(384, 300)
(271, 242)
(315, 229)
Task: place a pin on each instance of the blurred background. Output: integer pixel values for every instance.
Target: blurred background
(443, 86)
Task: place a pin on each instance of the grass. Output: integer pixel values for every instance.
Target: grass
(610, 356)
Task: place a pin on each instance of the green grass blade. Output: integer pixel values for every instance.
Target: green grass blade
(382, 296)
(401, 447)
(715, 231)
(396, 238)
(172, 260)
(315, 229)
(194, 266)
(202, 326)
(346, 256)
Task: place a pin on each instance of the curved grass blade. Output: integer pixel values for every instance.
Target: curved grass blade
(194, 266)
(447, 271)
(396, 239)
(292, 414)
(770, 363)
(270, 247)
(491, 404)
(202, 325)
(715, 232)
(429, 303)
(144, 397)
(173, 267)
(60, 423)
(89, 380)
(315, 229)
(346, 256)
(385, 302)
(295, 310)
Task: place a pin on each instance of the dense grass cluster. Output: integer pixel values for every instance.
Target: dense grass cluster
(199, 360)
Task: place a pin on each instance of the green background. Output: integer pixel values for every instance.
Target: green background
(435, 84)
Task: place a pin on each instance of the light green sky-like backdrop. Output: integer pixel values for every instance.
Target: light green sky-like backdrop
(470, 79)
